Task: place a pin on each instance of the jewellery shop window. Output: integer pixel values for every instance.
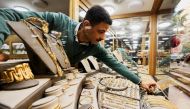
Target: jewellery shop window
(165, 25)
(174, 47)
(14, 48)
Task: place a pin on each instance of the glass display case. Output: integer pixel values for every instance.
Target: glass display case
(14, 47)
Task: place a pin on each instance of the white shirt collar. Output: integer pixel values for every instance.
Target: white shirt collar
(76, 31)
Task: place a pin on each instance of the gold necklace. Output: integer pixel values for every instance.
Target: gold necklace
(43, 26)
(48, 50)
(66, 60)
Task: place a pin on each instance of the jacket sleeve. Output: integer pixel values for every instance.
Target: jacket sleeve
(128, 58)
(57, 21)
(110, 61)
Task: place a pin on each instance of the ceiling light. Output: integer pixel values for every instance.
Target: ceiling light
(164, 24)
(135, 47)
(166, 38)
(135, 42)
(160, 41)
(125, 40)
(82, 14)
(136, 34)
(120, 32)
(20, 8)
(135, 27)
(110, 9)
(116, 23)
(135, 38)
(133, 4)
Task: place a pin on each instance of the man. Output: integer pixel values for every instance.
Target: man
(80, 40)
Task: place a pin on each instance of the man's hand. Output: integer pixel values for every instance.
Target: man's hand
(3, 57)
(149, 87)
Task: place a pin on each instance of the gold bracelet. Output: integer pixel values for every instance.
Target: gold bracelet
(18, 73)
(7, 76)
(15, 74)
(27, 73)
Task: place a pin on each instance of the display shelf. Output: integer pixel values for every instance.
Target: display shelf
(22, 99)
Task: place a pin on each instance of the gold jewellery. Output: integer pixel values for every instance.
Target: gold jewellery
(16, 74)
(43, 25)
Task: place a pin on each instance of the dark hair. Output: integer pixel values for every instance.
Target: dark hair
(98, 14)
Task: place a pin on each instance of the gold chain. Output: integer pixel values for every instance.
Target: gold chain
(43, 25)
(66, 61)
(48, 50)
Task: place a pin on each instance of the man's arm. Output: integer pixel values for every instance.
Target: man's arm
(121, 69)
(115, 65)
(10, 15)
(57, 21)
(128, 58)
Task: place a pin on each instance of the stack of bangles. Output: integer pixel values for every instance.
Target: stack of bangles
(17, 73)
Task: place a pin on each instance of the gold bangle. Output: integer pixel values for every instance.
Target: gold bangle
(27, 69)
(18, 73)
(7, 76)
(27, 73)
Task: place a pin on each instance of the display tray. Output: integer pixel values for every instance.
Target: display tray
(22, 99)
(112, 101)
(110, 92)
(115, 92)
(114, 83)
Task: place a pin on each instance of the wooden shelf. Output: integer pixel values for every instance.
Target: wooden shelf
(18, 56)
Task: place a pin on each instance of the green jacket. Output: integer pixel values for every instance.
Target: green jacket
(126, 57)
(75, 51)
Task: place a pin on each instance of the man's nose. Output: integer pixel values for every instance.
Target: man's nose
(102, 37)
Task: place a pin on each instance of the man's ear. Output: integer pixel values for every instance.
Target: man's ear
(86, 24)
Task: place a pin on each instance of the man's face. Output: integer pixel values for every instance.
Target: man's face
(96, 33)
